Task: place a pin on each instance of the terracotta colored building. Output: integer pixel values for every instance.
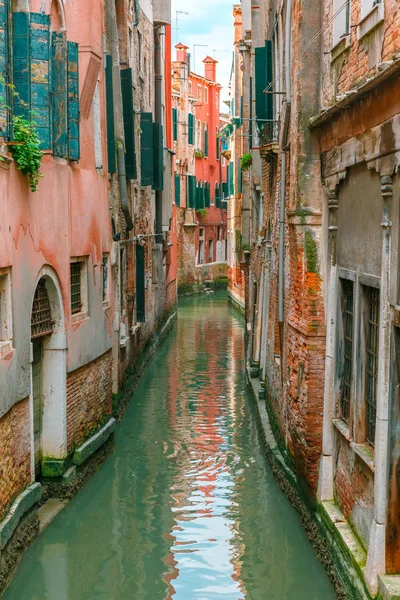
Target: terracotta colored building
(88, 262)
(200, 174)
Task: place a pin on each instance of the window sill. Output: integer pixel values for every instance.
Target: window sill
(366, 453)
(106, 304)
(82, 316)
(340, 48)
(342, 428)
(371, 20)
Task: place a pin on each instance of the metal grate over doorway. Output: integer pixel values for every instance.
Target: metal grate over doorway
(41, 323)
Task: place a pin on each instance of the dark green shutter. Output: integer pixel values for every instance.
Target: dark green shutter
(231, 187)
(240, 176)
(112, 166)
(218, 146)
(177, 190)
(21, 70)
(73, 102)
(140, 285)
(191, 189)
(59, 94)
(129, 123)
(175, 123)
(158, 157)
(264, 73)
(251, 115)
(206, 141)
(4, 68)
(146, 148)
(40, 76)
(191, 129)
(207, 196)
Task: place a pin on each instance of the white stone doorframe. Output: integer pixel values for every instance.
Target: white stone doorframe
(54, 373)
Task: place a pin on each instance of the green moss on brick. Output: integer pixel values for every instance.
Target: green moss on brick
(311, 251)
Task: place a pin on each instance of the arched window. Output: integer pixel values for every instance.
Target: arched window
(205, 140)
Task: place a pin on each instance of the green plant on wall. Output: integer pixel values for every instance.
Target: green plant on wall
(246, 161)
(25, 145)
(199, 153)
(26, 150)
(202, 212)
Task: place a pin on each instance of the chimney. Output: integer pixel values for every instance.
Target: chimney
(181, 53)
(238, 25)
(210, 68)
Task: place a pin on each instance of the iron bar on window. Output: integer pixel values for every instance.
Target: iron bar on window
(372, 362)
(348, 319)
(76, 302)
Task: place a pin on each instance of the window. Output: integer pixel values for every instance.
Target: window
(98, 154)
(5, 306)
(190, 88)
(191, 129)
(348, 339)
(200, 93)
(367, 6)
(217, 100)
(140, 52)
(201, 246)
(206, 95)
(372, 349)
(198, 135)
(205, 139)
(210, 251)
(341, 23)
(78, 287)
(218, 144)
(105, 278)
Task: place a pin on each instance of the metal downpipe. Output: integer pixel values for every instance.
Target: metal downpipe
(158, 86)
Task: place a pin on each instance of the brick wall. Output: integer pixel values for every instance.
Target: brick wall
(89, 399)
(15, 454)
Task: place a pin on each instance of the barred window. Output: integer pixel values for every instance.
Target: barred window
(348, 338)
(372, 350)
(104, 267)
(76, 287)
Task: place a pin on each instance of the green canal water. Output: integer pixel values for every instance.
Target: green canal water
(186, 507)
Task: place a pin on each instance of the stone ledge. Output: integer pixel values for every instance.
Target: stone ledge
(54, 467)
(82, 453)
(22, 504)
(389, 587)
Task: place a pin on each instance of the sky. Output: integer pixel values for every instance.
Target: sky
(209, 22)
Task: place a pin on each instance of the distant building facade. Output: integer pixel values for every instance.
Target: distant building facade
(199, 175)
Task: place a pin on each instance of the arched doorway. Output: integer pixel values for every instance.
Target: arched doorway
(48, 374)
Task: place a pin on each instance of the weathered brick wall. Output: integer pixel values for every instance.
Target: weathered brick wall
(15, 453)
(360, 61)
(89, 399)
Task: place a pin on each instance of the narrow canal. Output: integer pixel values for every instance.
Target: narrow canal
(187, 507)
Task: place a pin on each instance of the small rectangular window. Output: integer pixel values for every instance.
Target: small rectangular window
(348, 341)
(5, 306)
(200, 93)
(78, 287)
(341, 23)
(206, 95)
(210, 251)
(105, 279)
(367, 6)
(372, 352)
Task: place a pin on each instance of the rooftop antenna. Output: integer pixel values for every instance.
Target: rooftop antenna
(178, 12)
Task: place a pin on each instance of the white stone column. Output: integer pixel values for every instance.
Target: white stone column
(325, 482)
(54, 430)
(377, 541)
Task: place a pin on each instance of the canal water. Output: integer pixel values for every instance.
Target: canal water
(187, 507)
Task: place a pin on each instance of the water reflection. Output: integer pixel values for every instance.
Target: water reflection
(186, 508)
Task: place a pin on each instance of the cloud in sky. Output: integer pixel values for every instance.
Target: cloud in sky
(209, 22)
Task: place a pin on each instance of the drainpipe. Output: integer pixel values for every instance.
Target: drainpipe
(288, 39)
(136, 22)
(158, 86)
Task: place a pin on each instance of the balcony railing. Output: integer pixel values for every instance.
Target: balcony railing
(269, 136)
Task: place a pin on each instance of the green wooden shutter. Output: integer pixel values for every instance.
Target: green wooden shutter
(158, 157)
(21, 70)
(207, 196)
(251, 115)
(59, 94)
(264, 74)
(206, 141)
(140, 285)
(191, 187)
(231, 186)
(240, 176)
(129, 123)
(175, 123)
(112, 165)
(4, 68)
(146, 148)
(73, 102)
(177, 190)
(40, 76)
(191, 129)
(218, 146)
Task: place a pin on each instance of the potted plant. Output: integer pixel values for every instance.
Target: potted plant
(246, 161)
(199, 153)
